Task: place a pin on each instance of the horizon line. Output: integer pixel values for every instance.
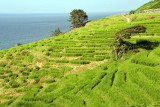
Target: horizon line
(66, 12)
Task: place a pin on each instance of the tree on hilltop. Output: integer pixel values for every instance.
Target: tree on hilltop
(78, 18)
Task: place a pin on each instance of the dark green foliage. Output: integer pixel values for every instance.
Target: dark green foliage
(56, 32)
(126, 33)
(120, 46)
(78, 18)
(18, 44)
(132, 12)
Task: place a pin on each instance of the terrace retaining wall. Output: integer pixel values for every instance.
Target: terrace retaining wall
(150, 11)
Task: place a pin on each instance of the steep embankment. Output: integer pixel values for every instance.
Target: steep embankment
(76, 69)
(154, 4)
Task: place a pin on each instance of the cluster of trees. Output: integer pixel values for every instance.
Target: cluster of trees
(78, 18)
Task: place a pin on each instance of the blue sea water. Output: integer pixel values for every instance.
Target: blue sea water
(25, 28)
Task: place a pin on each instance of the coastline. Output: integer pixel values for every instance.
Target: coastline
(27, 28)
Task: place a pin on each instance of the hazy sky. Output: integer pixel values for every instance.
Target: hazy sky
(65, 6)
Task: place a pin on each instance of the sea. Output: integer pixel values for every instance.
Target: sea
(26, 28)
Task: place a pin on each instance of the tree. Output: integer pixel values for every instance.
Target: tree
(56, 32)
(132, 12)
(120, 46)
(78, 18)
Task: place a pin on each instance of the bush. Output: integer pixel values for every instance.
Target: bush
(126, 33)
(56, 32)
(132, 12)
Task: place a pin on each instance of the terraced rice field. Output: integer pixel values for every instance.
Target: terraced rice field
(153, 4)
(78, 68)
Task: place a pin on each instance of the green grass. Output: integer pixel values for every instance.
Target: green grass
(77, 68)
(150, 5)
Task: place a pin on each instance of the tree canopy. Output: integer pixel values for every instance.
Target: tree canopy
(78, 18)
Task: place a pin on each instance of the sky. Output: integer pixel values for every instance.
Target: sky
(65, 6)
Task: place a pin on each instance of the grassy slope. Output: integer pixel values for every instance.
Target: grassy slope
(76, 69)
(150, 5)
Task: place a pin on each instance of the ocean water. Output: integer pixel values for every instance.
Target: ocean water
(25, 28)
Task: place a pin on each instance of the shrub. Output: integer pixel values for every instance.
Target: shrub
(132, 12)
(56, 32)
(126, 33)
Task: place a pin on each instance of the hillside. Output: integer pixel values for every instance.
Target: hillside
(78, 68)
(154, 4)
